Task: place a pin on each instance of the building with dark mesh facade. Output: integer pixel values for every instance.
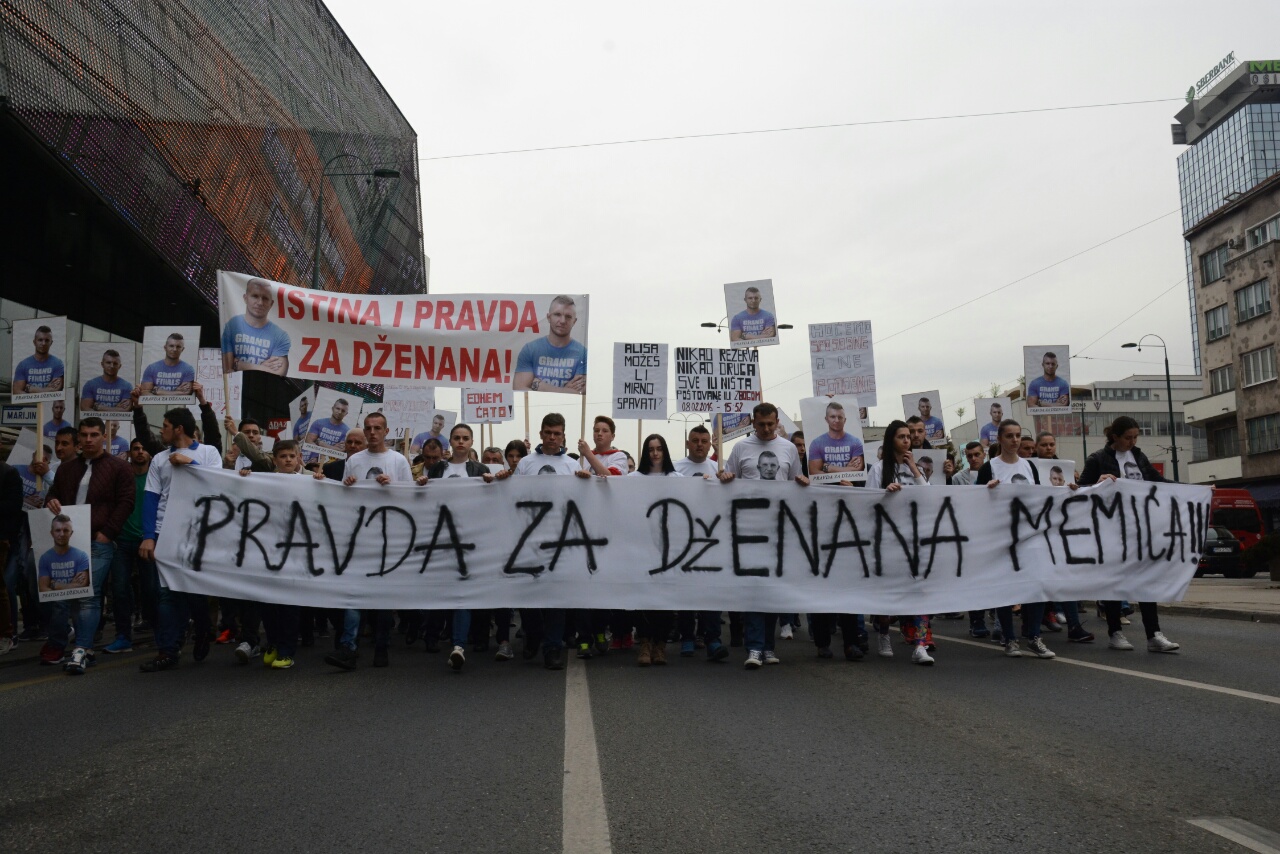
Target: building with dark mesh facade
(205, 127)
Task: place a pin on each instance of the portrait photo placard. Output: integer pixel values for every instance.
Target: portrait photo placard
(1048, 385)
(833, 439)
(753, 319)
(107, 373)
(39, 360)
(436, 425)
(169, 356)
(930, 462)
(1055, 472)
(58, 413)
(927, 405)
(988, 412)
(334, 416)
(62, 545)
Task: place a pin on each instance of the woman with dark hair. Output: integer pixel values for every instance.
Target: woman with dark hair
(654, 627)
(1121, 458)
(515, 452)
(896, 469)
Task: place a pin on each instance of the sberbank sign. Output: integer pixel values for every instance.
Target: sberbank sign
(1214, 73)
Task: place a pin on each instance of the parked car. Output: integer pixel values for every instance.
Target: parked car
(1221, 556)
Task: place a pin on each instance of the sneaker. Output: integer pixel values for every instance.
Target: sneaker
(852, 652)
(1079, 635)
(504, 652)
(1050, 622)
(754, 659)
(380, 657)
(201, 649)
(35, 633)
(269, 656)
(979, 630)
(785, 632)
(687, 649)
(717, 651)
(886, 646)
(120, 644)
(160, 662)
(553, 659)
(1159, 643)
(282, 662)
(602, 645)
(77, 663)
(50, 654)
(1039, 650)
(226, 636)
(458, 657)
(770, 657)
(1012, 650)
(921, 655)
(244, 652)
(7, 645)
(584, 651)
(825, 652)
(1119, 641)
(342, 658)
(1124, 621)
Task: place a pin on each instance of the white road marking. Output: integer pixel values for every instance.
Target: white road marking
(586, 824)
(1242, 833)
(1154, 677)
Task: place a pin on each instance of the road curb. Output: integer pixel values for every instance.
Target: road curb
(1220, 613)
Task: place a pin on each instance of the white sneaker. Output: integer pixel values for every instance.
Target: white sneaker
(1011, 649)
(785, 632)
(1039, 650)
(504, 652)
(1119, 641)
(244, 652)
(771, 657)
(6, 646)
(886, 646)
(921, 655)
(1124, 621)
(1160, 643)
(77, 662)
(754, 660)
(457, 658)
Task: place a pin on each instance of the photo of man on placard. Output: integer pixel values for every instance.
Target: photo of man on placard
(921, 405)
(834, 451)
(62, 569)
(993, 410)
(39, 372)
(251, 342)
(556, 362)
(169, 379)
(327, 435)
(1048, 380)
(106, 371)
(750, 308)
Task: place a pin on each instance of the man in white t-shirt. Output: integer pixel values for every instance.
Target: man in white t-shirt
(697, 464)
(698, 446)
(383, 466)
(760, 453)
(545, 627)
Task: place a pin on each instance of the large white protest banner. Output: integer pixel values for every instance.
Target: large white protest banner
(639, 380)
(532, 342)
(717, 380)
(675, 543)
(488, 405)
(842, 360)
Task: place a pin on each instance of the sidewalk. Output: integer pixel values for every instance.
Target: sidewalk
(1255, 599)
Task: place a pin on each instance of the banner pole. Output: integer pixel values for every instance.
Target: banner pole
(39, 431)
(719, 423)
(582, 422)
(226, 393)
(639, 436)
(526, 417)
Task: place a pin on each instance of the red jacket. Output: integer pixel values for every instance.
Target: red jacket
(111, 491)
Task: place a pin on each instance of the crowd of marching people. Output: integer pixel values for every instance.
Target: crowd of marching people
(129, 500)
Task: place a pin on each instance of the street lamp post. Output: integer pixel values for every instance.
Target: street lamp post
(325, 173)
(1168, 393)
(685, 416)
(1084, 442)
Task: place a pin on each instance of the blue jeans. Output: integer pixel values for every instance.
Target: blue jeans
(85, 612)
(122, 569)
(461, 626)
(173, 609)
(350, 629)
(758, 629)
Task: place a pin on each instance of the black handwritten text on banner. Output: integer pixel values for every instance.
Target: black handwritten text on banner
(675, 543)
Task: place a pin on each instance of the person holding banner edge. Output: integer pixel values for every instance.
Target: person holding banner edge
(590, 623)
(897, 469)
(1122, 455)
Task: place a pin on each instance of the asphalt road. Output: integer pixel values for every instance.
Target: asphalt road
(979, 753)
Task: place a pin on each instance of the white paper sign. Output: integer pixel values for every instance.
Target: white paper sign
(169, 354)
(488, 406)
(752, 314)
(209, 373)
(405, 406)
(39, 360)
(639, 380)
(833, 439)
(842, 360)
(717, 380)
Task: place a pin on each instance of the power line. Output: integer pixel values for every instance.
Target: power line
(867, 123)
(1130, 317)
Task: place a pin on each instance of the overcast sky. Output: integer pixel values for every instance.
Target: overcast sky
(892, 223)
